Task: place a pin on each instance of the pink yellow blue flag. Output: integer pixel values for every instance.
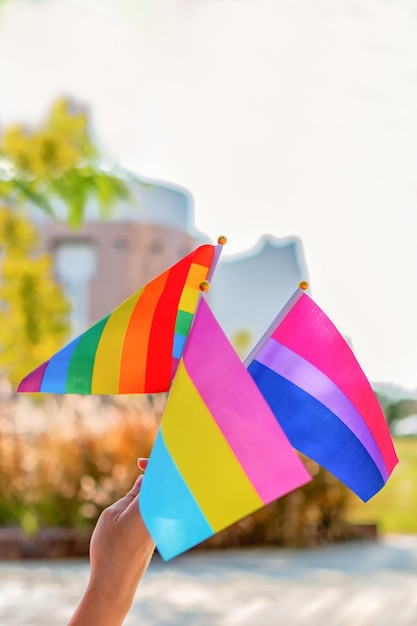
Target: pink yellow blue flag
(220, 454)
(319, 394)
(136, 348)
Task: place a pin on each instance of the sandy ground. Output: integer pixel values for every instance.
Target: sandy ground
(364, 584)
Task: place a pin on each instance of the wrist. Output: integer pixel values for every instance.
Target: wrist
(107, 599)
(99, 607)
(117, 582)
(114, 601)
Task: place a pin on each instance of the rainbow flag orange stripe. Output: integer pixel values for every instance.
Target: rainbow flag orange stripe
(137, 347)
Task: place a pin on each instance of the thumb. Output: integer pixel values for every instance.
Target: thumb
(121, 505)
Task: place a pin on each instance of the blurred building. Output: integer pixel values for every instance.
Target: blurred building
(106, 261)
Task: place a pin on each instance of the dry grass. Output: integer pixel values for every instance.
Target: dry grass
(63, 459)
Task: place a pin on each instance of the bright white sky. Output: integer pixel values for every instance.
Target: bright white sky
(288, 117)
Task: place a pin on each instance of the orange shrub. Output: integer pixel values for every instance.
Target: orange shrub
(64, 459)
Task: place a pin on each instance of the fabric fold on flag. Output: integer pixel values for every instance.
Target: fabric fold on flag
(136, 348)
(220, 454)
(319, 394)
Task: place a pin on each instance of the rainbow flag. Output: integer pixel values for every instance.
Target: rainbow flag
(136, 348)
(220, 454)
(322, 399)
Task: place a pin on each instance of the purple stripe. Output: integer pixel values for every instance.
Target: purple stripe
(240, 411)
(300, 372)
(174, 367)
(32, 382)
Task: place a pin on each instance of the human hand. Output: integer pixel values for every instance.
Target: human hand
(120, 551)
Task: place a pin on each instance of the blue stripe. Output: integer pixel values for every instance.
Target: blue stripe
(179, 341)
(318, 433)
(169, 510)
(55, 376)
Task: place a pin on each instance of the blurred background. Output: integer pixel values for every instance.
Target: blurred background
(131, 132)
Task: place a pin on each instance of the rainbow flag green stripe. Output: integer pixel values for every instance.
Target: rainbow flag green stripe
(81, 366)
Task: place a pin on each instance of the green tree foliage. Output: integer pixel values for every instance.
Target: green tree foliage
(396, 409)
(56, 165)
(33, 308)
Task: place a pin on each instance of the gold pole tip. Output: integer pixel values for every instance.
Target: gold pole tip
(204, 285)
(222, 240)
(303, 285)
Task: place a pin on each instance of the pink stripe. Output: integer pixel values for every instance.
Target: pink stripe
(307, 331)
(32, 382)
(239, 410)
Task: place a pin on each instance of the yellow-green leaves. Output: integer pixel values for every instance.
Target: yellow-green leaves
(56, 163)
(33, 309)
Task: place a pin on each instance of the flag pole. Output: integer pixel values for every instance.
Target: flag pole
(221, 241)
(205, 285)
(302, 286)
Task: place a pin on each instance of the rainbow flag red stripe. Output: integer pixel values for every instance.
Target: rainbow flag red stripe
(136, 348)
